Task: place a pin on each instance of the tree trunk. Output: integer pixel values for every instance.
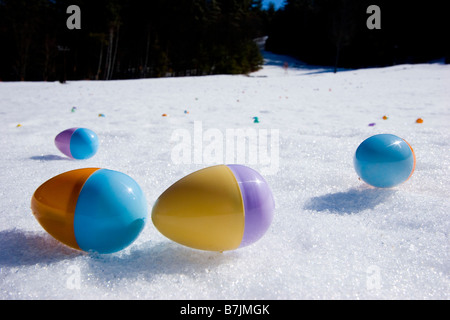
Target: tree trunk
(336, 62)
(146, 54)
(99, 69)
(114, 56)
(109, 53)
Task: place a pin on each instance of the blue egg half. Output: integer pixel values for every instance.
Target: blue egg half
(110, 213)
(77, 143)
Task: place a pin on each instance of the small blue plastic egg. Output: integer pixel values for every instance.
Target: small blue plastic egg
(77, 143)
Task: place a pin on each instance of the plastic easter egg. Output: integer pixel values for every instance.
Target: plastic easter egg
(77, 143)
(384, 161)
(91, 209)
(218, 208)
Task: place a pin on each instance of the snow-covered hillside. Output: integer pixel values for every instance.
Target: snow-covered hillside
(332, 237)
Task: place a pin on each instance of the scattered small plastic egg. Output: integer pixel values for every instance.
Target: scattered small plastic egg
(420, 120)
(218, 208)
(91, 209)
(77, 143)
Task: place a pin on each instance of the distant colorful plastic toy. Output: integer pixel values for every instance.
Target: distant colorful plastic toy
(77, 143)
(91, 209)
(384, 161)
(218, 208)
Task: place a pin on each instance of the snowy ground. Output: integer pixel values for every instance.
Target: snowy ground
(332, 236)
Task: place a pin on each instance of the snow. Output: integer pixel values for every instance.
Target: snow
(332, 237)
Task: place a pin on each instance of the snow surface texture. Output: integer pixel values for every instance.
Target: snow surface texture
(332, 237)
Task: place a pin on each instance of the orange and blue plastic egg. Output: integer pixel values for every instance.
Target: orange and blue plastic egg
(384, 160)
(217, 208)
(77, 143)
(91, 209)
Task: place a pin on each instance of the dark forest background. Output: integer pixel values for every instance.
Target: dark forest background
(128, 39)
(334, 32)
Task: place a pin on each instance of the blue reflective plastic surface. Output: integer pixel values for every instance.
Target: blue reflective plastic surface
(111, 212)
(83, 143)
(384, 160)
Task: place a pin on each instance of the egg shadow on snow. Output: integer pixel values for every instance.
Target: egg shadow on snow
(25, 248)
(352, 201)
(49, 157)
(151, 259)
(21, 248)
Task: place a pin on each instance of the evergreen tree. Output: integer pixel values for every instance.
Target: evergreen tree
(334, 32)
(122, 39)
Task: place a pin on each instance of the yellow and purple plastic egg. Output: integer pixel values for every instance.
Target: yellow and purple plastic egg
(77, 143)
(91, 209)
(219, 208)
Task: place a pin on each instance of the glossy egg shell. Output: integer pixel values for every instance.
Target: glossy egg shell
(218, 208)
(384, 160)
(91, 209)
(77, 143)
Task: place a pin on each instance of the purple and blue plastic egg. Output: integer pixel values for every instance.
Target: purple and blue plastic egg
(77, 143)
